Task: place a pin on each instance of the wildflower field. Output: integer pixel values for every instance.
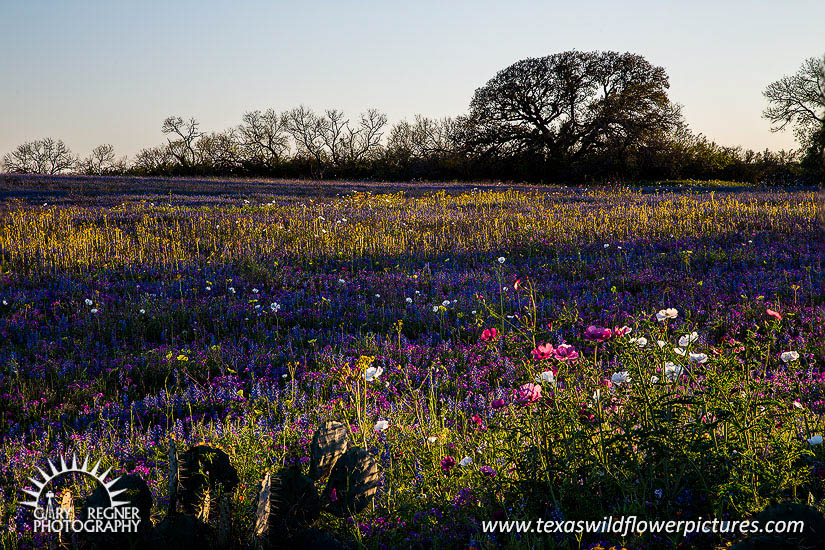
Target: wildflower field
(503, 354)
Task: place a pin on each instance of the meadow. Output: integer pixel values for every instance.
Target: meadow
(504, 353)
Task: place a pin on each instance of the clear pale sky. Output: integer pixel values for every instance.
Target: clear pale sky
(92, 72)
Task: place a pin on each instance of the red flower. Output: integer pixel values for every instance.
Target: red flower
(775, 314)
(447, 463)
(586, 415)
(528, 394)
(489, 334)
(621, 331)
(599, 334)
(565, 352)
(544, 351)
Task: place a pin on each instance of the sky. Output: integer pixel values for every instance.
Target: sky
(92, 72)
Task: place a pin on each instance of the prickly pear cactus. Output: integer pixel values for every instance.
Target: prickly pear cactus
(204, 475)
(813, 535)
(294, 499)
(172, 478)
(263, 508)
(137, 493)
(328, 444)
(182, 532)
(67, 504)
(352, 483)
(287, 505)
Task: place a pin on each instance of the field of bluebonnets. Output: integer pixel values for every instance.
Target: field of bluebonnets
(560, 353)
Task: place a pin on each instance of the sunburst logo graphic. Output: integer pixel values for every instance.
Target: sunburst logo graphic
(67, 469)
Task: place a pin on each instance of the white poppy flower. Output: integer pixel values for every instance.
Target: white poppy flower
(672, 371)
(688, 339)
(620, 378)
(641, 341)
(815, 440)
(466, 461)
(789, 356)
(381, 425)
(373, 373)
(548, 376)
(698, 357)
(669, 313)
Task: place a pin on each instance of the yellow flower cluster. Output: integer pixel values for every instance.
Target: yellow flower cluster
(359, 225)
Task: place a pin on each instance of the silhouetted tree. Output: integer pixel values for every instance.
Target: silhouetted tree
(566, 106)
(307, 130)
(100, 161)
(41, 156)
(153, 160)
(331, 140)
(219, 152)
(182, 143)
(264, 138)
(800, 100)
(364, 142)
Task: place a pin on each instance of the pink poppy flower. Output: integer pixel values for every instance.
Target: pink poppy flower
(565, 352)
(447, 463)
(498, 404)
(586, 415)
(544, 351)
(599, 334)
(489, 334)
(621, 331)
(528, 394)
(775, 314)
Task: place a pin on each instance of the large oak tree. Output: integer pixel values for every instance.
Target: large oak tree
(799, 100)
(570, 104)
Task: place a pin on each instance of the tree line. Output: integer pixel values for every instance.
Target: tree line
(570, 116)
